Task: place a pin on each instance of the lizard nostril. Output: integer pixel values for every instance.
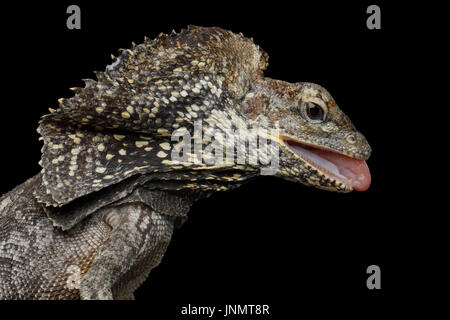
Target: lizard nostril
(351, 139)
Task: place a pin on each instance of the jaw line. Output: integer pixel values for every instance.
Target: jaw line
(289, 142)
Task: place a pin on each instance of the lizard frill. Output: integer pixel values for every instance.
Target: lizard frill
(121, 124)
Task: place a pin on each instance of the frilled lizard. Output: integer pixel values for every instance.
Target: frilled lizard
(100, 214)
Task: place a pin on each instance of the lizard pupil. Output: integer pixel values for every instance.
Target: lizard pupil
(314, 112)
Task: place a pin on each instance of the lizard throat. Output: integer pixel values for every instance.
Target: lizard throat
(354, 173)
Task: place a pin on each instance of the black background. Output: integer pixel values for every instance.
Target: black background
(271, 241)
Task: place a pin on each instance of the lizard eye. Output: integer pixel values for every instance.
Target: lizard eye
(313, 112)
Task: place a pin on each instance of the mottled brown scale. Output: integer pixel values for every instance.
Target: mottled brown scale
(50, 248)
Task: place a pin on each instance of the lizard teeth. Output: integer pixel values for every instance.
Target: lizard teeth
(321, 162)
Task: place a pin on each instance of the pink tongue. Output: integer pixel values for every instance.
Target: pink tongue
(354, 170)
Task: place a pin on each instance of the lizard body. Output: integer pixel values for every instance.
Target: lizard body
(99, 216)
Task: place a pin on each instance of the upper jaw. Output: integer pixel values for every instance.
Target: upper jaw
(349, 173)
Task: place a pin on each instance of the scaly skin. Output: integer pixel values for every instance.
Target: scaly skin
(100, 214)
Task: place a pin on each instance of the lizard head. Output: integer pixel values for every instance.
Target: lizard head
(319, 145)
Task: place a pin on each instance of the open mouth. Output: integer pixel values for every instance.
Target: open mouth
(354, 173)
